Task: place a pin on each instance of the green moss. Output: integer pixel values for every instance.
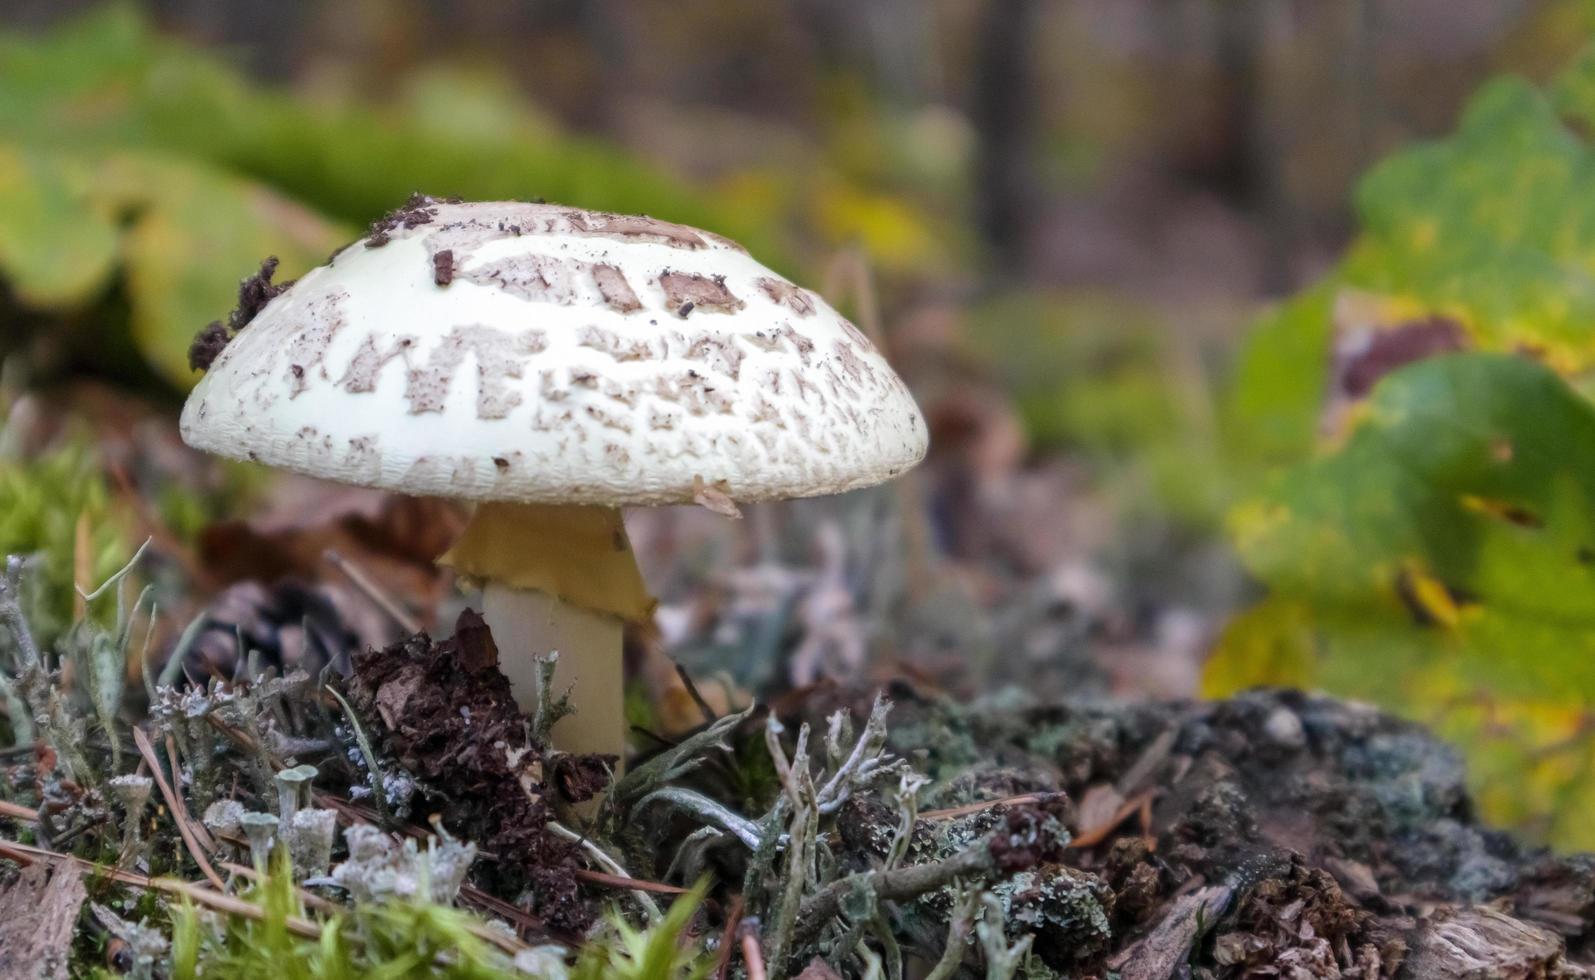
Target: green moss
(42, 499)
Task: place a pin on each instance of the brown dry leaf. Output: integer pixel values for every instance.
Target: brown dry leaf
(1099, 806)
(393, 540)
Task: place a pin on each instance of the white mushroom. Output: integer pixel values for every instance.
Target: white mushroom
(556, 364)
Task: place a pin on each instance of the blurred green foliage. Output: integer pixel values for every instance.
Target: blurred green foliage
(392, 939)
(1111, 380)
(42, 500)
(1436, 554)
(124, 153)
(414, 938)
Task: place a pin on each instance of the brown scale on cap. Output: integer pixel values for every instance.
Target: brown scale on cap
(625, 227)
(615, 290)
(541, 278)
(500, 357)
(307, 352)
(792, 297)
(368, 362)
(611, 343)
(687, 291)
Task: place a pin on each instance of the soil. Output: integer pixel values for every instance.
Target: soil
(444, 712)
(419, 210)
(1274, 834)
(1327, 839)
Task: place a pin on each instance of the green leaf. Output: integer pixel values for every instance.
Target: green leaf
(197, 232)
(1440, 562)
(109, 79)
(1492, 228)
(127, 154)
(1271, 411)
(55, 248)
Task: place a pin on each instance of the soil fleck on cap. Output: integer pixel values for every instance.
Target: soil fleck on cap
(255, 292)
(443, 267)
(419, 210)
(207, 346)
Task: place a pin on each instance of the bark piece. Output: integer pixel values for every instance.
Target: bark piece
(1159, 955)
(38, 916)
(1483, 944)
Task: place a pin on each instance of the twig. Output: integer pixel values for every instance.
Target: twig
(220, 901)
(201, 833)
(697, 696)
(371, 590)
(968, 808)
(147, 750)
(310, 899)
(627, 882)
(752, 955)
(17, 812)
(507, 944)
(894, 885)
(523, 920)
(727, 939)
(610, 864)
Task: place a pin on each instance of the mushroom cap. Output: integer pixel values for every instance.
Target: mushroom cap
(538, 353)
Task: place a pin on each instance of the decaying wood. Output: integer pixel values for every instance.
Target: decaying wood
(1482, 944)
(1157, 956)
(38, 916)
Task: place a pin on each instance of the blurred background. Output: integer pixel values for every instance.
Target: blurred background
(1136, 258)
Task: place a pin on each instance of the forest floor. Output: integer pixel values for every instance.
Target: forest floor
(877, 765)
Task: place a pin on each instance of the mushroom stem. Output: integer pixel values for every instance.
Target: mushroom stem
(527, 624)
(558, 577)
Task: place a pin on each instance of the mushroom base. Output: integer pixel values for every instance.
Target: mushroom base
(528, 624)
(558, 577)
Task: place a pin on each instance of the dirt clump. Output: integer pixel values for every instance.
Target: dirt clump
(446, 714)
